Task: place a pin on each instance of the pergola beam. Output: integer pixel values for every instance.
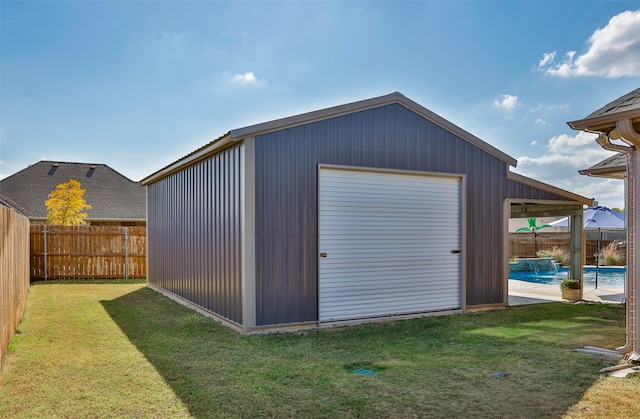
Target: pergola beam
(526, 210)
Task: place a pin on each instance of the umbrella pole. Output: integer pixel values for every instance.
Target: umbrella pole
(598, 255)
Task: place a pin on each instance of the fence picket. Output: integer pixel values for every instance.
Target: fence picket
(79, 252)
(14, 280)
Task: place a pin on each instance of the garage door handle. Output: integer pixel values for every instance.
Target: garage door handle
(455, 251)
(323, 255)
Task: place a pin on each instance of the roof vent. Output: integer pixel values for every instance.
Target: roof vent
(53, 169)
(91, 170)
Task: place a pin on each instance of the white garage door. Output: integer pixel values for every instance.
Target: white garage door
(389, 244)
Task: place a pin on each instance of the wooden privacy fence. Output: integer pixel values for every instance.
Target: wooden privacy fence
(79, 252)
(14, 273)
(525, 245)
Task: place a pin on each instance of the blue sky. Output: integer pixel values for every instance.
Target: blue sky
(138, 84)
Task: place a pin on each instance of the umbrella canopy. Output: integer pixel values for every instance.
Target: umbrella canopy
(596, 218)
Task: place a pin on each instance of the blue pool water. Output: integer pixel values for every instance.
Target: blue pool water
(607, 276)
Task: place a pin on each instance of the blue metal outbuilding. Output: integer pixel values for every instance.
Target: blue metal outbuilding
(235, 229)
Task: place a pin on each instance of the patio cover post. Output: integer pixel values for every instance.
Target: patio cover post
(577, 253)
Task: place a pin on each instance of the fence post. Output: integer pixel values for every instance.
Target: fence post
(126, 252)
(45, 252)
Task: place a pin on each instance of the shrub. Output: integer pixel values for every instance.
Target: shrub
(570, 284)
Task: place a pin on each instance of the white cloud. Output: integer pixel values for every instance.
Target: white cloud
(547, 58)
(614, 51)
(541, 121)
(534, 142)
(579, 152)
(506, 102)
(550, 108)
(608, 192)
(247, 78)
(559, 166)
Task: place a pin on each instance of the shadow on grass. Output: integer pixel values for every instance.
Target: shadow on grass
(507, 363)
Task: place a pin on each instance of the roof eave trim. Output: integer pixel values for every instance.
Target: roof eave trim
(391, 98)
(603, 123)
(187, 160)
(319, 115)
(549, 188)
(451, 127)
(603, 171)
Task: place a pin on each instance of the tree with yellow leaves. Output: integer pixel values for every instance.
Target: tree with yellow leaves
(65, 204)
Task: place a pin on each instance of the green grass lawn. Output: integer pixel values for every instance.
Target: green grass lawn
(118, 349)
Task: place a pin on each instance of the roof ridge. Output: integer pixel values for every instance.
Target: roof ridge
(70, 163)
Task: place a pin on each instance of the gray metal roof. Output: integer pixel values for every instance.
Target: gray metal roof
(280, 124)
(368, 104)
(111, 195)
(612, 167)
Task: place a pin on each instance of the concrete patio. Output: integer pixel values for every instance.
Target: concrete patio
(523, 292)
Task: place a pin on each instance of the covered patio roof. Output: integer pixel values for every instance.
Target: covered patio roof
(522, 206)
(614, 167)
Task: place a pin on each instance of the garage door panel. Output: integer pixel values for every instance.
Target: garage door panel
(388, 240)
(390, 306)
(351, 293)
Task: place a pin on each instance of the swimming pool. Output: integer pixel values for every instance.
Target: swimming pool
(607, 276)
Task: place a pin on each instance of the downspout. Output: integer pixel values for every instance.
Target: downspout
(630, 136)
(604, 141)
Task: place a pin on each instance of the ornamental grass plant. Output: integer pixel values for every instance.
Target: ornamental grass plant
(559, 255)
(611, 254)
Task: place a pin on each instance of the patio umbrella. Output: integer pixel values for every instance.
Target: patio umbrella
(596, 218)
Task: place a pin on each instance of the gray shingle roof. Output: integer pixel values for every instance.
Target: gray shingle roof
(111, 195)
(612, 167)
(628, 102)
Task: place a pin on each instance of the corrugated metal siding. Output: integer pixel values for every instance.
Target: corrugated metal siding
(390, 137)
(194, 230)
(388, 241)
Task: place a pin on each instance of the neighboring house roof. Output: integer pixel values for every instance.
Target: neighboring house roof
(112, 196)
(7, 204)
(279, 124)
(612, 167)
